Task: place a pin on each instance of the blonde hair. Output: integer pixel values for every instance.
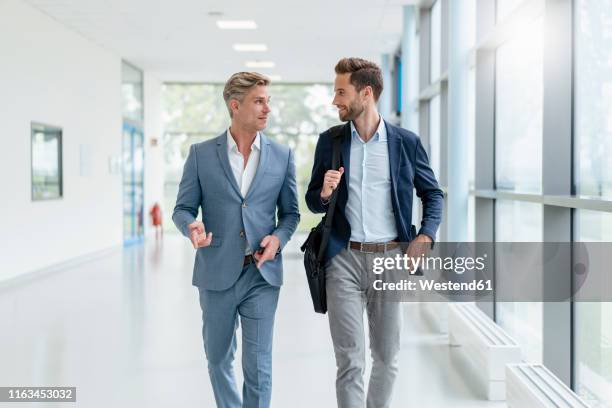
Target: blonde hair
(240, 84)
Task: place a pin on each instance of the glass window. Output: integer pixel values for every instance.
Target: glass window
(593, 352)
(593, 98)
(434, 135)
(435, 49)
(517, 221)
(46, 162)
(593, 226)
(593, 324)
(132, 92)
(593, 175)
(197, 108)
(133, 183)
(518, 111)
(413, 85)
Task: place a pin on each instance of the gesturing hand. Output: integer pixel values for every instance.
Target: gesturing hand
(330, 182)
(198, 236)
(270, 245)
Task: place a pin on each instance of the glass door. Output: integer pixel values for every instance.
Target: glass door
(133, 184)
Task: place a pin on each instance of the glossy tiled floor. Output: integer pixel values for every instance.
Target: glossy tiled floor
(125, 330)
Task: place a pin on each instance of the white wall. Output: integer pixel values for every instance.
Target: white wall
(154, 157)
(52, 75)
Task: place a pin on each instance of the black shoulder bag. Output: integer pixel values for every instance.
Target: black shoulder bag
(316, 244)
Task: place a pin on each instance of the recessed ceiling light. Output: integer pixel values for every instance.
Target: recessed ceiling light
(236, 24)
(260, 64)
(250, 47)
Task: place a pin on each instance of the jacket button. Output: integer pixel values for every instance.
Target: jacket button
(242, 234)
(244, 204)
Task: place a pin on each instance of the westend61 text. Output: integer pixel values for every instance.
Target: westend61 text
(431, 285)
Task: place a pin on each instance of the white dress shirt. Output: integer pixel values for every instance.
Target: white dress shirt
(244, 175)
(369, 210)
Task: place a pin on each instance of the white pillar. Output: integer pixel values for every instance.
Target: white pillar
(410, 70)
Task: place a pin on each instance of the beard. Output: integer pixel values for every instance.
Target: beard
(353, 110)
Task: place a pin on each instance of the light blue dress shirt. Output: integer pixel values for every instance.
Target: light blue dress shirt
(369, 210)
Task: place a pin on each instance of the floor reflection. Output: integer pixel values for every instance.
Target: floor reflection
(125, 329)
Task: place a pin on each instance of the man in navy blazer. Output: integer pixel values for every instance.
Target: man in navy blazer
(381, 166)
(242, 181)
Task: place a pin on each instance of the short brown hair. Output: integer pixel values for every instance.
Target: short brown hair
(363, 73)
(240, 84)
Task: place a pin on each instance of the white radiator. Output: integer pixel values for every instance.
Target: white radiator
(534, 386)
(484, 345)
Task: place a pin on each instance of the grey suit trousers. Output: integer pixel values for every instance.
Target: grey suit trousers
(348, 294)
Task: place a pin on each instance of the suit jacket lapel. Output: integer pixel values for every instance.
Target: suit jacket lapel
(345, 149)
(263, 163)
(224, 160)
(393, 145)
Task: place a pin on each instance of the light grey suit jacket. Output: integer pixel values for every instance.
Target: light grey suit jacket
(208, 182)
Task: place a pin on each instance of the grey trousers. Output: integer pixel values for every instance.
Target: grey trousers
(348, 295)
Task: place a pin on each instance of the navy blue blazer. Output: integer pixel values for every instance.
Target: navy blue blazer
(409, 170)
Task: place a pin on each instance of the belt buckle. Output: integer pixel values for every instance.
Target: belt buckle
(362, 250)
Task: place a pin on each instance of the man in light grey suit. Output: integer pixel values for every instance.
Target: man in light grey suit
(240, 180)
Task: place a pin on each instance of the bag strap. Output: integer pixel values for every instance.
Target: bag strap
(336, 133)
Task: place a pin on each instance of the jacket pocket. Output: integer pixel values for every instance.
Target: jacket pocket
(216, 242)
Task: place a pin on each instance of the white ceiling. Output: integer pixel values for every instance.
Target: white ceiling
(179, 41)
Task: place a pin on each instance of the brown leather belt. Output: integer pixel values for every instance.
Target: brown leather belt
(248, 259)
(373, 247)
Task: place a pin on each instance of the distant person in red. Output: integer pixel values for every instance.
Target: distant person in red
(156, 217)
